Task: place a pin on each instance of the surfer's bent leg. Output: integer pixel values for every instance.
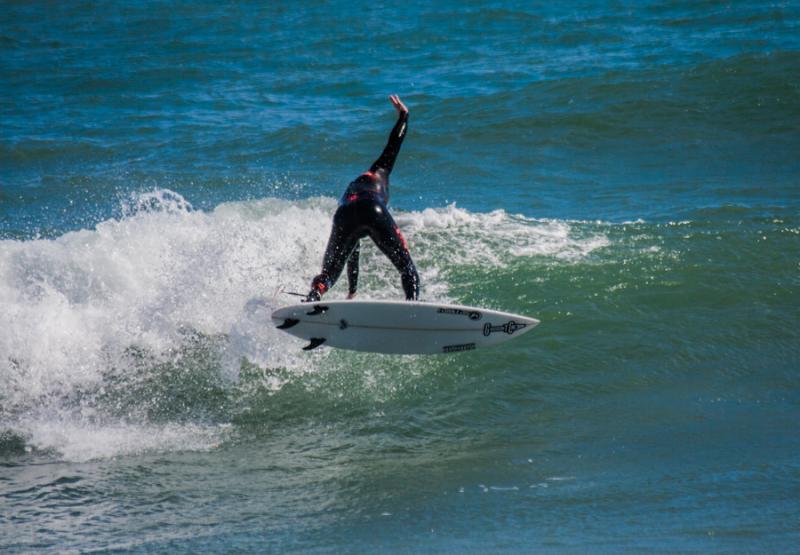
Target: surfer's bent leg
(341, 244)
(390, 240)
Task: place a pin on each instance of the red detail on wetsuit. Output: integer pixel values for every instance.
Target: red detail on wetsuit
(400, 236)
(321, 287)
(370, 174)
(362, 195)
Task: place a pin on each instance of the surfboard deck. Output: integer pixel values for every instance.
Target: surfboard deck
(399, 327)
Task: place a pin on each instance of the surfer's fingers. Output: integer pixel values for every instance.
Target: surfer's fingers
(398, 104)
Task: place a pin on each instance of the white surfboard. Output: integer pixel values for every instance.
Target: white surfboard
(399, 327)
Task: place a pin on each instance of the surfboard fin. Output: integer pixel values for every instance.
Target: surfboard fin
(318, 309)
(288, 323)
(315, 342)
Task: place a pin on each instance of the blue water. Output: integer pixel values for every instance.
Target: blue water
(625, 172)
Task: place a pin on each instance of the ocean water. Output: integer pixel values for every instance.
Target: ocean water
(627, 172)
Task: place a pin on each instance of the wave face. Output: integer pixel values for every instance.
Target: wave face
(123, 338)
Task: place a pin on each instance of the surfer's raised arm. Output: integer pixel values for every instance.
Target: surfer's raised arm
(386, 160)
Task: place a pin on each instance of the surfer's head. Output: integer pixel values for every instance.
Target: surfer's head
(366, 177)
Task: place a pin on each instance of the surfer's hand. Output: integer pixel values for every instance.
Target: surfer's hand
(312, 297)
(398, 104)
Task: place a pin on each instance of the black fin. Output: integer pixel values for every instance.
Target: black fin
(315, 342)
(318, 309)
(288, 323)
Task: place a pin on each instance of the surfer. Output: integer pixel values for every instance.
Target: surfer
(362, 212)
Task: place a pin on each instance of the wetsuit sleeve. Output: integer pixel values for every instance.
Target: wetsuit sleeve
(386, 160)
(352, 269)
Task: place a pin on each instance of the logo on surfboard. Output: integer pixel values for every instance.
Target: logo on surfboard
(471, 314)
(458, 348)
(509, 328)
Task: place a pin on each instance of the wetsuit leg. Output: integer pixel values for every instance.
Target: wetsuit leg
(352, 222)
(343, 240)
(384, 231)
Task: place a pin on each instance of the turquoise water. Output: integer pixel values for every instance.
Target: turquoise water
(625, 172)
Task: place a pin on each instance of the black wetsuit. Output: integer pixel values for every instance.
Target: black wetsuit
(362, 212)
